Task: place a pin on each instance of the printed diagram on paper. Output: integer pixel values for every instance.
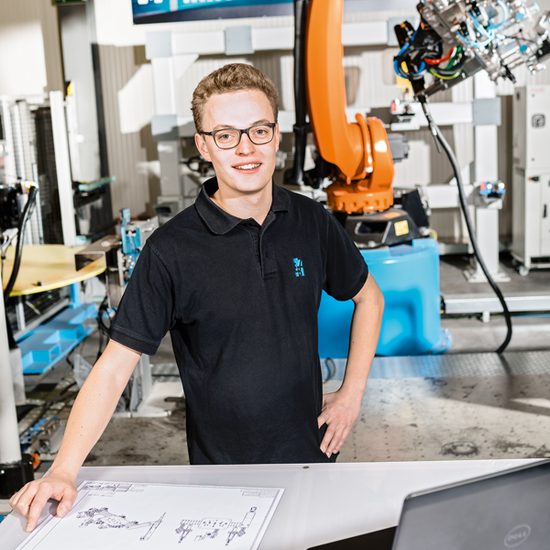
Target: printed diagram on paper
(146, 515)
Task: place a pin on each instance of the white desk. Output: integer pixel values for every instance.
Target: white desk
(321, 503)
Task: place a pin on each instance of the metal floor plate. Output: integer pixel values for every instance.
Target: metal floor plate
(451, 365)
(467, 364)
(429, 366)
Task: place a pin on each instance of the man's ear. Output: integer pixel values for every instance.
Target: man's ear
(277, 136)
(201, 146)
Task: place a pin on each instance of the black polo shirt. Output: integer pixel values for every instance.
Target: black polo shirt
(240, 301)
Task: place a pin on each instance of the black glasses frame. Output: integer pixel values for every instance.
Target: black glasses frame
(241, 132)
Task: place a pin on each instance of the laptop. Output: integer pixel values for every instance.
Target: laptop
(509, 509)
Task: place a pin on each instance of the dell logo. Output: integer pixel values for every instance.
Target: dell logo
(516, 536)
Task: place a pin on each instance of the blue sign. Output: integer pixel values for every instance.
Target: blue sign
(159, 11)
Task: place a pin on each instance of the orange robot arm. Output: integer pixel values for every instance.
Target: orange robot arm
(360, 150)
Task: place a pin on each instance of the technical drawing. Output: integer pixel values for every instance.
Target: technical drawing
(107, 520)
(130, 516)
(213, 526)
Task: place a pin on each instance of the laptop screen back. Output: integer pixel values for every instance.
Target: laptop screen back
(497, 512)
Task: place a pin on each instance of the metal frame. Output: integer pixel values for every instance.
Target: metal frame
(471, 304)
(63, 167)
(10, 451)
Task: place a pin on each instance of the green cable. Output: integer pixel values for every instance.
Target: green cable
(452, 62)
(450, 77)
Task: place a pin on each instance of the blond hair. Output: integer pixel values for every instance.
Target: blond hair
(234, 77)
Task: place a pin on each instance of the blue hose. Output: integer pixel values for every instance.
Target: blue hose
(504, 15)
(397, 66)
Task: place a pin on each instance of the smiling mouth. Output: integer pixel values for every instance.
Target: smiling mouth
(251, 166)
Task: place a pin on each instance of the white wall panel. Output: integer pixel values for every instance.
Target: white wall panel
(463, 137)
(129, 153)
(415, 170)
(382, 15)
(463, 92)
(136, 102)
(287, 81)
(52, 48)
(30, 63)
(22, 63)
(376, 83)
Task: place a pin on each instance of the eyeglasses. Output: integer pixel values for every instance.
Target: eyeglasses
(229, 138)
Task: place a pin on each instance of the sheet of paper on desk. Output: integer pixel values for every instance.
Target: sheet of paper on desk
(110, 515)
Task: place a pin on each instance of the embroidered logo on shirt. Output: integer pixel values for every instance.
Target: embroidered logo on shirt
(298, 268)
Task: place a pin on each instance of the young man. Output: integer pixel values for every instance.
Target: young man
(237, 279)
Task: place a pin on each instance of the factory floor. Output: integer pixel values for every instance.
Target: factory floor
(468, 403)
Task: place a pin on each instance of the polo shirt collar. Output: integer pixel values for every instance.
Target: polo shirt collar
(219, 221)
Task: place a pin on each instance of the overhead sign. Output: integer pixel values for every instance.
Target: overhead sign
(161, 11)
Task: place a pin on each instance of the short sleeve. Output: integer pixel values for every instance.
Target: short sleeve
(346, 270)
(145, 313)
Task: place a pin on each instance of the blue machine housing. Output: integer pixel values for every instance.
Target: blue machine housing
(131, 239)
(408, 276)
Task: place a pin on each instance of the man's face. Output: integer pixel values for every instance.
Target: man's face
(247, 168)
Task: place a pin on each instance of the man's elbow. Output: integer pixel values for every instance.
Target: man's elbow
(370, 295)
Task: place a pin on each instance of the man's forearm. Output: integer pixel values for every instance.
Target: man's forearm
(91, 412)
(341, 408)
(365, 330)
(94, 407)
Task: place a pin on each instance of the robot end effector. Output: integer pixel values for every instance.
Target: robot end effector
(458, 38)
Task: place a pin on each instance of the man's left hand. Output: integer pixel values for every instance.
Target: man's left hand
(340, 411)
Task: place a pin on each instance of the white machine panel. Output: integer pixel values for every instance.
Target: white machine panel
(537, 121)
(531, 189)
(545, 215)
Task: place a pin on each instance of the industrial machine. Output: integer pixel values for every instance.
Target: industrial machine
(458, 38)
(121, 252)
(454, 40)
(357, 157)
(531, 190)
(133, 236)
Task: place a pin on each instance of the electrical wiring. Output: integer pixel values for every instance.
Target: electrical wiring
(399, 60)
(443, 77)
(453, 69)
(408, 75)
(20, 237)
(398, 70)
(441, 59)
(331, 369)
(438, 136)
